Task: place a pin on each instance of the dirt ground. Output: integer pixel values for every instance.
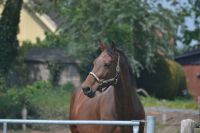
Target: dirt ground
(168, 122)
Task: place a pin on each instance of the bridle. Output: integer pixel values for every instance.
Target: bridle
(104, 84)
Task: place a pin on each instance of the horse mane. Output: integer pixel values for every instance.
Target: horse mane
(132, 75)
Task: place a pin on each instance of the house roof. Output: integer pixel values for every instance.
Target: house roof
(189, 57)
(54, 55)
(51, 17)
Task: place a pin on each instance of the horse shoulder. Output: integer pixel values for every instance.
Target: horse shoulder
(107, 105)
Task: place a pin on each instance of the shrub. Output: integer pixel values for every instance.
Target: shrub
(13, 100)
(41, 99)
(2, 84)
(9, 105)
(167, 81)
(68, 87)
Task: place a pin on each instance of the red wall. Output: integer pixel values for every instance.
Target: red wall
(191, 72)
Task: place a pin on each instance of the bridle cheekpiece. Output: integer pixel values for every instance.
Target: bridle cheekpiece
(104, 84)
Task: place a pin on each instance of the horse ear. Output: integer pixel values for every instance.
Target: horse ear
(113, 46)
(102, 46)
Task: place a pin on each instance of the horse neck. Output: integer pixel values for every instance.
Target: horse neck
(125, 92)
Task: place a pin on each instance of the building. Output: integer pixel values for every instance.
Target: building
(41, 60)
(33, 25)
(191, 64)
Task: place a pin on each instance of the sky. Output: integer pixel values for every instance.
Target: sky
(189, 21)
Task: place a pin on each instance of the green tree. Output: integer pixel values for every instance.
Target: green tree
(193, 34)
(9, 22)
(189, 33)
(135, 25)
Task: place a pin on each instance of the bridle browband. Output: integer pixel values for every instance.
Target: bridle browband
(104, 84)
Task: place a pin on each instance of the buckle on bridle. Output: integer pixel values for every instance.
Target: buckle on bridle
(104, 84)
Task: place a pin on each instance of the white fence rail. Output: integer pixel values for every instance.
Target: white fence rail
(135, 123)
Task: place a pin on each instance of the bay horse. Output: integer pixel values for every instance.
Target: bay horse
(108, 93)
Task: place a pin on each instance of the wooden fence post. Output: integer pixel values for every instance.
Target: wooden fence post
(187, 126)
(164, 113)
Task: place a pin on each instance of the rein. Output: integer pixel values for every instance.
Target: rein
(104, 84)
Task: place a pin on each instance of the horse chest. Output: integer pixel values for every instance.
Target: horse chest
(85, 107)
(100, 107)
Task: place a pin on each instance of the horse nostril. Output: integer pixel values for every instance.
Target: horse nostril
(87, 89)
(88, 92)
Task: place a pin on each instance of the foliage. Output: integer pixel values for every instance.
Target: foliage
(55, 70)
(132, 24)
(17, 98)
(41, 99)
(190, 35)
(8, 34)
(168, 80)
(74, 51)
(2, 84)
(53, 40)
(18, 74)
(51, 102)
(8, 102)
(67, 87)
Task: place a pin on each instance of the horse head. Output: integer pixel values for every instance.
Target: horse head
(105, 72)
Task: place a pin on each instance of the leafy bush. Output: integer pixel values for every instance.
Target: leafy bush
(167, 81)
(14, 99)
(67, 87)
(2, 84)
(41, 99)
(9, 105)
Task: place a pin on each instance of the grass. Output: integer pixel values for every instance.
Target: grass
(179, 103)
(45, 101)
(52, 104)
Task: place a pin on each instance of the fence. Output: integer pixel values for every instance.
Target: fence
(135, 123)
(190, 126)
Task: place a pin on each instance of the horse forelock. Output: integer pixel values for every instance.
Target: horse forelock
(110, 52)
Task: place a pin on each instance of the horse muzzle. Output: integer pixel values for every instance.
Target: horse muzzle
(88, 92)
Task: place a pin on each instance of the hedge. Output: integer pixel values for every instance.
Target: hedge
(167, 81)
(41, 99)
